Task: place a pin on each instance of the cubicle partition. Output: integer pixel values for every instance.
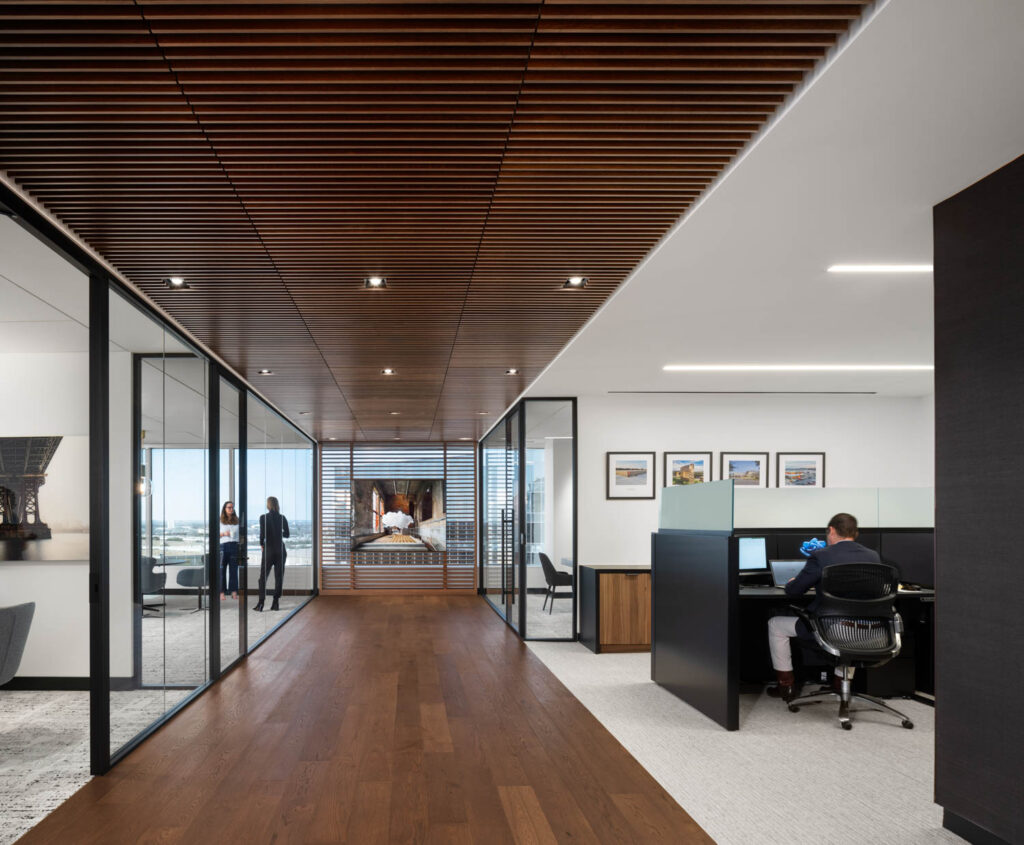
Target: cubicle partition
(709, 622)
(694, 645)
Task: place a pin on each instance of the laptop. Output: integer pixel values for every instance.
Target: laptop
(783, 570)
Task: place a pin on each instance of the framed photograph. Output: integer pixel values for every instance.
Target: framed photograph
(686, 468)
(746, 469)
(800, 469)
(630, 475)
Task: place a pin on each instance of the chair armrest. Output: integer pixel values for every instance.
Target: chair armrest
(812, 623)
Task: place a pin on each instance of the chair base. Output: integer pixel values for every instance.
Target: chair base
(845, 699)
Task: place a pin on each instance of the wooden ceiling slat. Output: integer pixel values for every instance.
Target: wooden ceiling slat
(475, 153)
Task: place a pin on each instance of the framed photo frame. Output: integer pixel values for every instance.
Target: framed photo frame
(681, 468)
(800, 469)
(629, 475)
(746, 469)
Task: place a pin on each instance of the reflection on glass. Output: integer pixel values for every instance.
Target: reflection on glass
(158, 520)
(280, 470)
(550, 575)
(231, 572)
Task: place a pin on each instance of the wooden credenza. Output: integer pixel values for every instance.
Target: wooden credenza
(615, 607)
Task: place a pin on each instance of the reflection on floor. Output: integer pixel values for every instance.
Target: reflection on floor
(871, 784)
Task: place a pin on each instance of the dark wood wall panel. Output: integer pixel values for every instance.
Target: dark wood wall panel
(979, 403)
(476, 154)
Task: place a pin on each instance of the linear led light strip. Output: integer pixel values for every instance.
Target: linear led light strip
(880, 268)
(795, 368)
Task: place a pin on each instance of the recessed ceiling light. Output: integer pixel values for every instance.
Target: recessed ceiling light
(880, 268)
(397, 438)
(575, 282)
(375, 282)
(483, 413)
(387, 371)
(794, 368)
(332, 438)
(511, 371)
(265, 372)
(395, 413)
(465, 438)
(176, 282)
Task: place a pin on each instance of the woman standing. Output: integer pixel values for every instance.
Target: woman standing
(273, 530)
(228, 550)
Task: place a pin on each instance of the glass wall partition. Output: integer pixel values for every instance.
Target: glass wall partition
(229, 528)
(528, 518)
(158, 531)
(279, 519)
(499, 480)
(550, 536)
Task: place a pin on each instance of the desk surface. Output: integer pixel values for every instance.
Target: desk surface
(617, 567)
(776, 592)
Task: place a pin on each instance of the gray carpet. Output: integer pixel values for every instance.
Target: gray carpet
(871, 784)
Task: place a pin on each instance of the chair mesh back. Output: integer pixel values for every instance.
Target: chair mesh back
(857, 635)
(860, 581)
(855, 613)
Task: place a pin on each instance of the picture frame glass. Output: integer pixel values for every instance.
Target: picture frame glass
(746, 469)
(685, 468)
(800, 469)
(630, 475)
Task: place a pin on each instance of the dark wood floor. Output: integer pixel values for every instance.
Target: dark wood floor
(380, 719)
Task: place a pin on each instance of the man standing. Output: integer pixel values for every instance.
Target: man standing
(842, 548)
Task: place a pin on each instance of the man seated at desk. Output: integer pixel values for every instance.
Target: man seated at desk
(841, 548)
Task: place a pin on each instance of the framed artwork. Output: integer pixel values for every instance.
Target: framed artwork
(800, 469)
(686, 468)
(630, 475)
(746, 469)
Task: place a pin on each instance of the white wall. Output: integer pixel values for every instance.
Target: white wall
(869, 441)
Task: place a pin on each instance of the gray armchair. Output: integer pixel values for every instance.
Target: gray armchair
(14, 624)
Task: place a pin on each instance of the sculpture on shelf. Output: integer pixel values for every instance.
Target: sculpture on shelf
(23, 463)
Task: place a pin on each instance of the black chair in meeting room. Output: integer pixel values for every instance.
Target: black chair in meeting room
(854, 626)
(150, 583)
(195, 578)
(555, 578)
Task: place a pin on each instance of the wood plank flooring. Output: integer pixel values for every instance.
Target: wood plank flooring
(394, 719)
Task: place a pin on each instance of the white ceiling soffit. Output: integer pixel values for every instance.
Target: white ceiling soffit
(926, 100)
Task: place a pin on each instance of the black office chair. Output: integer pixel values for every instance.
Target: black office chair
(554, 578)
(150, 583)
(195, 577)
(855, 626)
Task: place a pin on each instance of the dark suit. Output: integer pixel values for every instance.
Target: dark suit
(273, 530)
(845, 551)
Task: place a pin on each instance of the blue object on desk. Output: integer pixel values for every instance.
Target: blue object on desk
(809, 547)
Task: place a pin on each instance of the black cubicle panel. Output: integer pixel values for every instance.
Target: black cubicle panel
(694, 646)
(912, 552)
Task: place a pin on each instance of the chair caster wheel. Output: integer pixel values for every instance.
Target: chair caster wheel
(794, 708)
(847, 726)
(908, 724)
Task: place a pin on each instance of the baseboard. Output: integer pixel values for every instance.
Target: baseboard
(969, 830)
(62, 684)
(399, 592)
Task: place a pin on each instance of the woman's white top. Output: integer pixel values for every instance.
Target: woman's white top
(232, 533)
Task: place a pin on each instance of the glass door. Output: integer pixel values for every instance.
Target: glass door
(499, 462)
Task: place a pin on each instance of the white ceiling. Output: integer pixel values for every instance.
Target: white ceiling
(927, 99)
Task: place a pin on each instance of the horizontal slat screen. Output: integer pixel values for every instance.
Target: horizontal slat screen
(454, 568)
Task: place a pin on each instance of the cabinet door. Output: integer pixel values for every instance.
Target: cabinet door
(625, 608)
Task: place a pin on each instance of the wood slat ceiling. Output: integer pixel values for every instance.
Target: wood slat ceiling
(476, 154)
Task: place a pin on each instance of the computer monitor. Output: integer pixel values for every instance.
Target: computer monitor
(753, 554)
(913, 554)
